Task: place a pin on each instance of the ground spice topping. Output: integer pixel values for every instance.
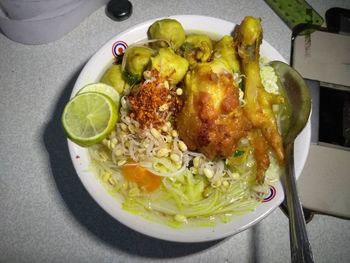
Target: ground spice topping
(153, 102)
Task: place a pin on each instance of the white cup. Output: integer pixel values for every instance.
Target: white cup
(43, 28)
(25, 9)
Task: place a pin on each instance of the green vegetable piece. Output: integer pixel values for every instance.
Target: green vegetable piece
(225, 49)
(170, 65)
(113, 77)
(238, 153)
(168, 29)
(137, 60)
(187, 47)
(131, 78)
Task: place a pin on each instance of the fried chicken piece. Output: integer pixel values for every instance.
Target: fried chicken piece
(211, 120)
(259, 103)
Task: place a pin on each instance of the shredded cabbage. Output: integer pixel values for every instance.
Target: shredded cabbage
(190, 196)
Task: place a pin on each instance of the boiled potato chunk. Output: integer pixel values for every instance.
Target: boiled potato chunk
(197, 48)
(168, 29)
(170, 65)
(137, 60)
(113, 77)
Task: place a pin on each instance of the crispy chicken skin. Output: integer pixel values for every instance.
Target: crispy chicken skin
(259, 103)
(211, 120)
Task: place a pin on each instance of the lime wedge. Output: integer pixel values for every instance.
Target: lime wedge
(102, 88)
(89, 117)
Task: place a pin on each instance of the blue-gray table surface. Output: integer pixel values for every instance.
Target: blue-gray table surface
(46, 215)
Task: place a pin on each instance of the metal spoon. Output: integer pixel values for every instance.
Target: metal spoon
(298, 95)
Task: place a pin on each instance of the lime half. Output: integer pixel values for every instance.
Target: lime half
(89, 117)
(102, 88)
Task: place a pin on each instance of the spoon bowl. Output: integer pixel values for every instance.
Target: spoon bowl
(298, 98)
(297, 94)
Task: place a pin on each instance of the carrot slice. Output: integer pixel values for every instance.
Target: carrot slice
(133, 172)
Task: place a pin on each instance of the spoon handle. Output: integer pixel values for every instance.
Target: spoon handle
(299, 242)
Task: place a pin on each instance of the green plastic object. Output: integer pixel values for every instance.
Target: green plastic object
(295, 12)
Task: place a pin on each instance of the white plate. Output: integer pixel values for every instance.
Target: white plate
(93, 71)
